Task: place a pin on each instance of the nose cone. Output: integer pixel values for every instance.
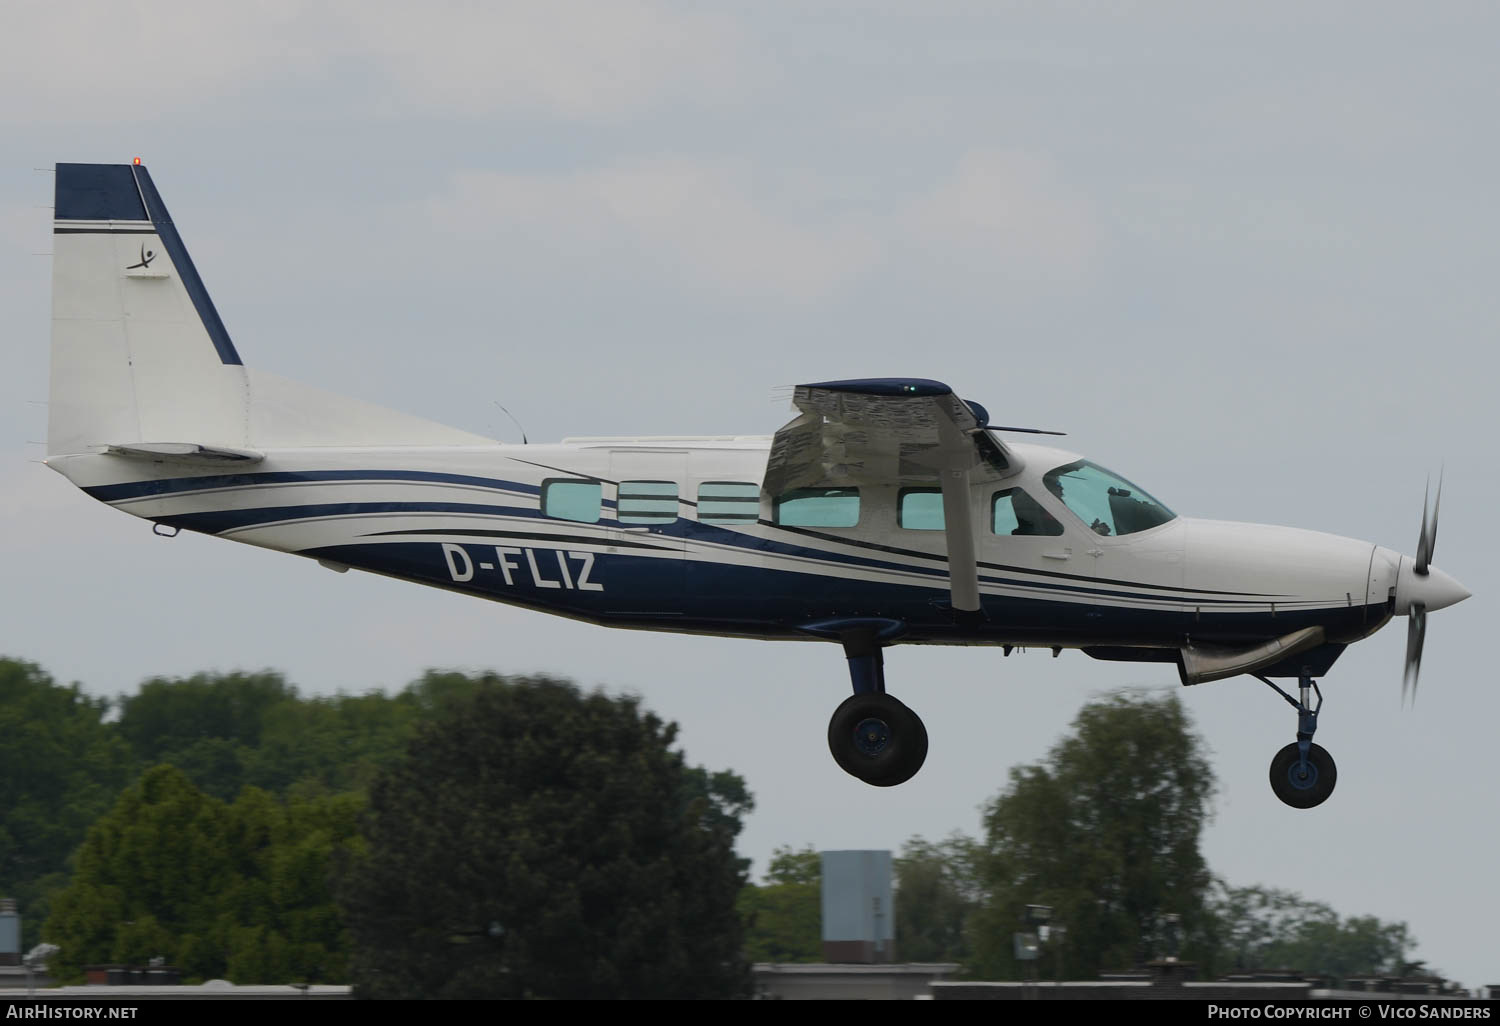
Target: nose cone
(1432, 590)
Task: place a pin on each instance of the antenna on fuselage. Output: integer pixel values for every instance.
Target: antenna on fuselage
(514, 421)
(1024, 431)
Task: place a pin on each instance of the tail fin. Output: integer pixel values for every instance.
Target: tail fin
(139, 353)
(141, 362)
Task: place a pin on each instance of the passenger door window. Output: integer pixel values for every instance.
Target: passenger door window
(647, 502)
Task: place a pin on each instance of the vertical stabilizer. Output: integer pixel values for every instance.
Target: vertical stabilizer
(139, 353)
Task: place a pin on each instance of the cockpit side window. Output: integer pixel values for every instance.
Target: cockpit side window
(1014, 512)
(920, 509)
(818, 507)
(1107, 503)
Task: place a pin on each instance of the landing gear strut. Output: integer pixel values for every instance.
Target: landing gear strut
(872, 735)
(1303, 774)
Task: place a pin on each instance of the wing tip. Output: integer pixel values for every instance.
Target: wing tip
(885, 386)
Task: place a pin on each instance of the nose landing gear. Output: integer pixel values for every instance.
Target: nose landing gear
(1303, 774)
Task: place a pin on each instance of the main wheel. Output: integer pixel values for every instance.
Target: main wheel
(1303, 787)
(877, 739)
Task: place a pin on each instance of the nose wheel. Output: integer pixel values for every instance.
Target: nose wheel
(1303, 774)
(1303, 783)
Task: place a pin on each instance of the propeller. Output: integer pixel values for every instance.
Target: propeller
(1416, 633)
(1428, 540)
(1416, 624)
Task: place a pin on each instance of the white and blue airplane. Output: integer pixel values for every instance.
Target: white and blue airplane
(889, 511)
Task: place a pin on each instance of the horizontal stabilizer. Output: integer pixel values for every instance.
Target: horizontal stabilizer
(185, 452)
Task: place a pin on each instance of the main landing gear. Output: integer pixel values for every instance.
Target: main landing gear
(1303, 774)
(872, 735)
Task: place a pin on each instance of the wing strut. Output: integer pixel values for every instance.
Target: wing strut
(958, 521)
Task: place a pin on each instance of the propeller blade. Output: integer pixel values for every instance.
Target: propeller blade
(1427, 541)
(1437, 500)
(1416, 634)
(1423, 556)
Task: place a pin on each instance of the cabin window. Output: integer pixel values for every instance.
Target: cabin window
(647, 502)
(1015, 512)
(728, 502)
(572, 500)
(920, 509)
(1106, 503)
(818, 507)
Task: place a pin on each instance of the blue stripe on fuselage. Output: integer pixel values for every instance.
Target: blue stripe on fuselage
(220, 521)
(178, 485)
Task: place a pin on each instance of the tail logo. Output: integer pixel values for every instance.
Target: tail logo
(147, 255)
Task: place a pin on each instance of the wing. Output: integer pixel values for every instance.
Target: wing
(894, 431)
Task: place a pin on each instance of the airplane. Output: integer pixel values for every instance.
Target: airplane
(887, 511)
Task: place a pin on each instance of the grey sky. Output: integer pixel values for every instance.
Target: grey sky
(1243, 256)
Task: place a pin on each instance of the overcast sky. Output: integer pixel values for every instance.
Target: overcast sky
(1243, 254)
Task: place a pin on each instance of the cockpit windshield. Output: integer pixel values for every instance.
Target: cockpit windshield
(1106, 502)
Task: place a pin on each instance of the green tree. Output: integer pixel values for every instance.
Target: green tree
(784, 915)
(1264, 928)
(540, 842)
(800, 866)
(330, 745)
(207, 725)
(1105, 831)
(165, 716)
(61, 766)
(283, 923)
(726, 800)
(938, 889)
(145, 881)
(215, 889)
(237, 730)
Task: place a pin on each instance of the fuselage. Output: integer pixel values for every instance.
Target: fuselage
(677, 534)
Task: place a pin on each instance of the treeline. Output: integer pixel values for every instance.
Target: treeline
(945, 912)
(1105, 831)
(66, 756)
(224, 825)
(490, 836)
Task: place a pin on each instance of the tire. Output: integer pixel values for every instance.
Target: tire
(1303, 792)
(877, 739)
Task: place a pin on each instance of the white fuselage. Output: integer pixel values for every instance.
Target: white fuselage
(477, 519)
